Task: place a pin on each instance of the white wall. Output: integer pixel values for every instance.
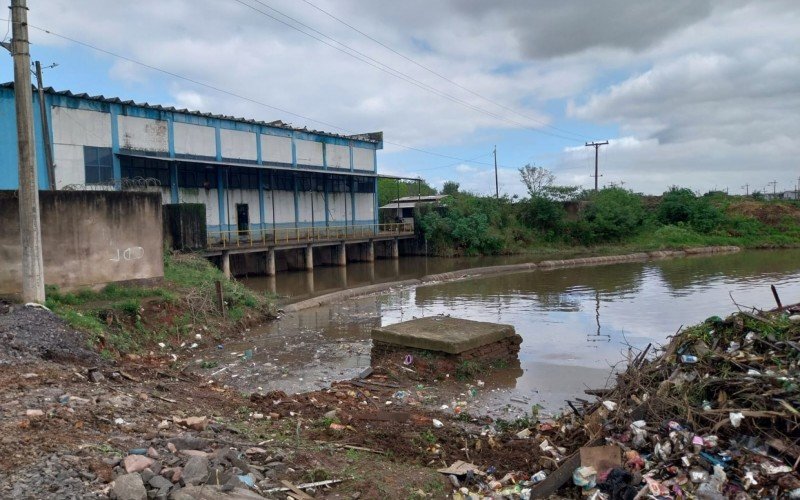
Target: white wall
(276, 148)
(246, 196)
(69, 165)
(304, 206)
(207, 197)
(337, 156)
(336, 207)
(195, 140)
(365, 206)
(363, 159)
(309, 152)
(81, 127)
(238, 145)
(143, 134)
(284, 207)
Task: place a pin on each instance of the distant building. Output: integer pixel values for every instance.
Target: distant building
(784, 195)
(403, 208)
(249, 174)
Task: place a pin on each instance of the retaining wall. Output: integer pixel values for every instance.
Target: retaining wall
(512, 268)
(89, 238)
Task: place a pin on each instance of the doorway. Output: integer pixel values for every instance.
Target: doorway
(242, 218)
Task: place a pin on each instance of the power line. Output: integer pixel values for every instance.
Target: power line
(434, 72)
(237, 95)
(360, 56)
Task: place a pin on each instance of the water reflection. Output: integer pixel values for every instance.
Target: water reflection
(575, 323)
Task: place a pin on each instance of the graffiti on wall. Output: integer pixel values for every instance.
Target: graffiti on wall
(130, 253)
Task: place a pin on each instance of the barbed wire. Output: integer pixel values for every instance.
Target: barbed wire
(124, 184)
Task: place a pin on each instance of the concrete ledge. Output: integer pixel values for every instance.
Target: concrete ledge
(443, 334)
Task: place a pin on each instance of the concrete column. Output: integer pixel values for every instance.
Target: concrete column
(309, 258)
(372, 272)
(225, 259)
(271, 262)
(310, 282)
(343, 277)
(370, 251)
(394, 249)
(341, 255)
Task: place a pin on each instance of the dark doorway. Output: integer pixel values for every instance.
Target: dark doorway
(242, 217)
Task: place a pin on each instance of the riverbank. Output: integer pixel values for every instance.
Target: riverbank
(504, 269)
(713, 412)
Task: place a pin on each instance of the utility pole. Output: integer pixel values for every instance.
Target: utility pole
(774, 185)
(29, 223)
(746, 188)
(596, 157)
(48, 153)
(496, 183)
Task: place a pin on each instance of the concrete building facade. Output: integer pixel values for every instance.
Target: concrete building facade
(250, 175)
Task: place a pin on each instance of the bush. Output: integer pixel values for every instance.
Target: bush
(542, 214)
(612, 214)
(680, 205)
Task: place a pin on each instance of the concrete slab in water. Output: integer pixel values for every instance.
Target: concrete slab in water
(442, 333)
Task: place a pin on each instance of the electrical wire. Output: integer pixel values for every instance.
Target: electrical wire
(434, 72)
(237, 95)
(388, 69)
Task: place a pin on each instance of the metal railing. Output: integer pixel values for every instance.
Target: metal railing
(287, 235)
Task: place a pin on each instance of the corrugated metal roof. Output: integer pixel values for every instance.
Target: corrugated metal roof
(374, 137)
(395, 206)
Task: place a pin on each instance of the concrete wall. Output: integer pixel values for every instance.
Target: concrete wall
(336, 208)
(143, 134)
(305, 204)
(365, 207)
(364, 159)
(337, 156)
(72, 130)
(276, 149)
(195, 140)
(89, 238)
(207, 197)
(238, 145)
(309, 152)
(284, 208)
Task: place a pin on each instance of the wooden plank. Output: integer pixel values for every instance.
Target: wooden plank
(554, 481)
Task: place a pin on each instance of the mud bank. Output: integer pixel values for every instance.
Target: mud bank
(507, 269)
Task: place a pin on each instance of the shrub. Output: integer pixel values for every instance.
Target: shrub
(680, 205)
(612, 213)
(542, 214)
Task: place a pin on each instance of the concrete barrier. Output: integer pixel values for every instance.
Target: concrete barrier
(477, 272)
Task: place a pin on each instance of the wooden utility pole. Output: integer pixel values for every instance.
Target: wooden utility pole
(29, 222)
(596, 157)
(48, 153)
(746, 189)
(496, 183)
(774, 187)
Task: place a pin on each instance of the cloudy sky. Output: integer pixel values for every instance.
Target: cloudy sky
(699, 93)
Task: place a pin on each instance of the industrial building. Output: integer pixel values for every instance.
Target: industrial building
(252, 176)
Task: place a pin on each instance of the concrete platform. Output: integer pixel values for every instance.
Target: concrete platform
(443, 334)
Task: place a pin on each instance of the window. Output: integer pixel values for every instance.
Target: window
(145, 168)
(196, 176)
(242, 178)
(364, 184)
(338, 184)
(98, 164)
(284, 181)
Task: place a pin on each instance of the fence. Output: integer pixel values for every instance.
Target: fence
(283, 236)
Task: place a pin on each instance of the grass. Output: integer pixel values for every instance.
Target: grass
(128, 319)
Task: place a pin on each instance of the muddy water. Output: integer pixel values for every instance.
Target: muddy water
(576, 323)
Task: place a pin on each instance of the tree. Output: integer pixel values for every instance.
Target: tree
(450, 188)
(537, 180)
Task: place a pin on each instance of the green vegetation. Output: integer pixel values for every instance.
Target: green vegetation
(390, 189)
(560, 220)
(129, 319)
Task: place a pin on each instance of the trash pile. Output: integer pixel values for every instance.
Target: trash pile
(716, 415)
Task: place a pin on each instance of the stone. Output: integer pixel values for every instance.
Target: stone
(214, 493)
(129, 487)
(136, 463)
(194, 453)
(442, 333)
(95, 376)
(196, 423)
(34, 414)
(172, 473)
(195, 471)
(152, 453)
(160, 483)
(185, 442)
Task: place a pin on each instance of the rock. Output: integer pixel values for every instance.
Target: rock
(214, 493)
(185, 442)
(164, 424)
(194, 453)
(129, 487)
(95, 376)
(331, 414)
(196, 423)
(172, 473)
(160, 483)
(34, 414)
(195, 471)
(152, 453)
(794, 318)
(147, 475)
(136, 463)
(258, 416)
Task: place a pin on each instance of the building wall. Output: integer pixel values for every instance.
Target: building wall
(305, 205)
(276, 149)
(284, 208)
(208, 197)
(337, 156)
(248, 197)
(195, 140)
(142, 134)
(88, 238)
(337, 210)
(238, 145)
(364, 159)
(309, 152)
(365, 208)
(72, 130)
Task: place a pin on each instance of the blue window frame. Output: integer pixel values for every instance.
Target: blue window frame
(98, 164)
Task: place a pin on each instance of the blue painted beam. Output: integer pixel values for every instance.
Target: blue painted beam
(115, 109)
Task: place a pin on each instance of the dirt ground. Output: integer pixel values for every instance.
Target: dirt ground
(70, 422)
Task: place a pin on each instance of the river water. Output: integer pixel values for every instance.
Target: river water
(576, 323)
